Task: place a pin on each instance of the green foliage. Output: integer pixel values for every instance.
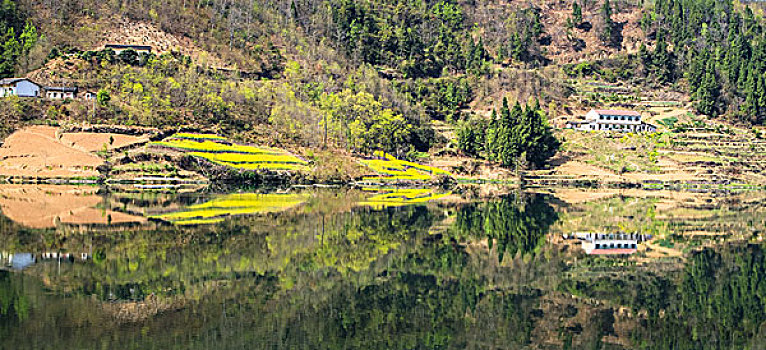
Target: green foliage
(471, 136)
(17, 37)
(576, 13)
(719, 49)
(103, 97)
(419, 39)
(607, 33)
(513, 224)
(442, 98)
(520, 136)
(526, 37)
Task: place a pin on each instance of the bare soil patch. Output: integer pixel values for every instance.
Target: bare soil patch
(36, 151)
(94, 142)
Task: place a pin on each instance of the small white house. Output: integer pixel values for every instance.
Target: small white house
(118, 48)
(89, 95)
(612, 120)
(21, 87)
(60, 92)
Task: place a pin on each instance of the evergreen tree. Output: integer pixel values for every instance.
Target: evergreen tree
(576, 13)
(519, 136)
(607, 34)
(707, 93)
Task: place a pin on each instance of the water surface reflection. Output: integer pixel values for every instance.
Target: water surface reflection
(352, 268)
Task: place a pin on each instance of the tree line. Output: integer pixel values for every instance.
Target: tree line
(718, 49)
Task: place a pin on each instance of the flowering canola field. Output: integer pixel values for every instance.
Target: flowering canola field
(220, 151)
(391, 168)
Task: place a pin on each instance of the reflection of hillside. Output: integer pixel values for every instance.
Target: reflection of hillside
(217, 209)
(680, 221)
(393, 197)
(43, 206)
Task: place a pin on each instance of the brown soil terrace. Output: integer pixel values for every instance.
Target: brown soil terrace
(43, 151)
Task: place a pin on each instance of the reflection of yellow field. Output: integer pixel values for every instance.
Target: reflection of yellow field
(395, 169)
(219, 151)
(233, 204)
(40, 206)
(40, 151)
(401, 197)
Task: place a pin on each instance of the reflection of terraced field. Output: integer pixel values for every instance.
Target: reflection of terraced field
(391, 168)
(46, 206)
(401, 197)
(218, 209)
(679, 221)
(218, 150)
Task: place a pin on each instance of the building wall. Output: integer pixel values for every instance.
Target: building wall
(7, 91)
(26, 88)
(59, 95)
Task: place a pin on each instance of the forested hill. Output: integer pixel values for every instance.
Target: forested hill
(373, 74)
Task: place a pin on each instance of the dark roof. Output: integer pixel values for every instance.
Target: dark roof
(134, 47)
(7, 81)
(61, 89)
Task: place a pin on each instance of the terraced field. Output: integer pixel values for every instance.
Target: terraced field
(393, 197)
(218, 150)
(218, 209)
(392, 169)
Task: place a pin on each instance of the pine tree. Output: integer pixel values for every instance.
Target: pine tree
(606, 14)
(707, 93)
(576, 13)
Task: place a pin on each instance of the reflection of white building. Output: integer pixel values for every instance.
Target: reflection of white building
(610, 243)
(612, 120)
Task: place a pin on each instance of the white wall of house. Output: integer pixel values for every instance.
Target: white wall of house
(59, 95)
(26, 88)
(7, 91)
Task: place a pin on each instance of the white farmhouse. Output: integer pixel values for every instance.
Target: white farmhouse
(612, 120)
(119, 48)
(21, 87)
(60, 92)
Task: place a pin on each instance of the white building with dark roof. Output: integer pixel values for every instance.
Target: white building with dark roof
(60, 92)
(118, 48)
(612, 120)
(21, 87)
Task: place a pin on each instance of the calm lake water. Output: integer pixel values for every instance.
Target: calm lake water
(85, 268)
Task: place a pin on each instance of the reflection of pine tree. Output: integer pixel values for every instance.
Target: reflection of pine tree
(513, 225)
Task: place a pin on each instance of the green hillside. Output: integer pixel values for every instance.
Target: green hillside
(357, 77)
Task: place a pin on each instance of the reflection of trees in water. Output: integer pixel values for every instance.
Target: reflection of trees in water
(379, 279)
(516, 224)
(717, 301)
(14, 304)
(720, 302)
